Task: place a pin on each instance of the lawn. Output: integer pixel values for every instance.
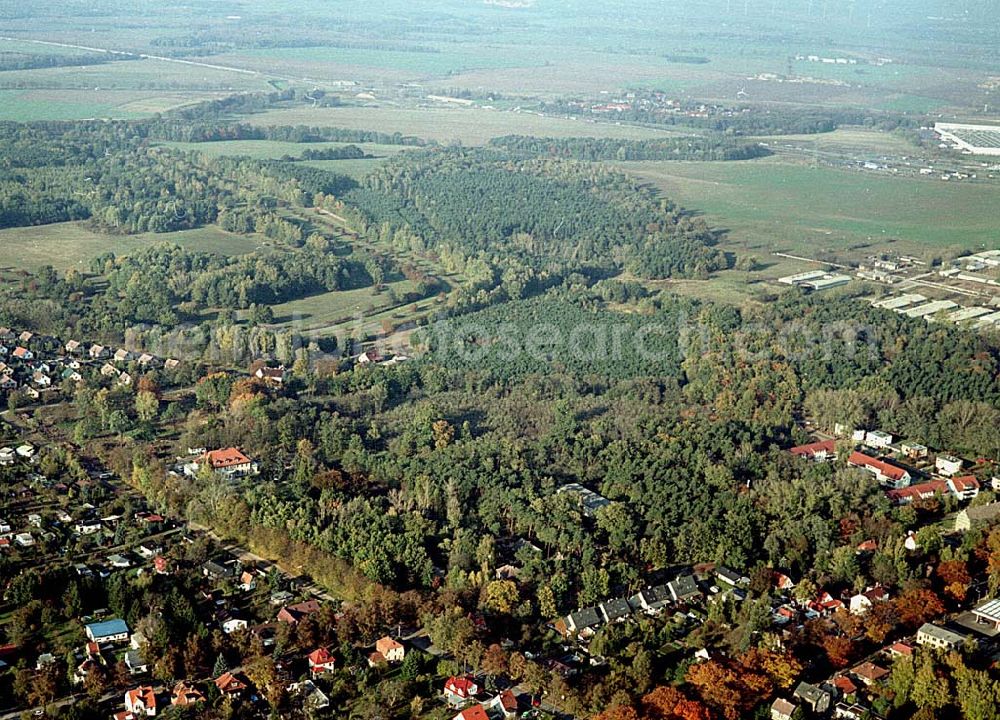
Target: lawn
(775, 205)
(472, 126)
(73, 245)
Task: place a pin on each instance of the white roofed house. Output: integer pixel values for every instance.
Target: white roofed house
(73, 347)
(948, 465)
(97, 352)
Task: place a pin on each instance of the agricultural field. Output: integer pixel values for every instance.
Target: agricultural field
(471, 126)
(773, 205)
(50, 104)
(66, 246)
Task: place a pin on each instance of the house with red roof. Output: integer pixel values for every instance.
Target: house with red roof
(869, 673)
(886, 473)
(825, 604)
(186, 695)
(321, 662)
(964, 487)
(392, 651)
(920, 491)
(141, 701)
(476, 712)
(458, 690)
(292, 614)
(230, 462)
(845, 685)
(503, 706)
(782, 581)
(822, 451)
(862, 601)
(230, 684)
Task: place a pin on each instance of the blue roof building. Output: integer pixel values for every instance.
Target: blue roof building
(108, 631)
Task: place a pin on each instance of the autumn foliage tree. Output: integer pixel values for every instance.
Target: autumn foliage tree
(729, 690)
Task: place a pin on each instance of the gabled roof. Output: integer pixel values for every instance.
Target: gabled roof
(869, 671)
(920, 491)
(964, 483)
(228, 457)
(321, 656)
(461, 686)
(810, 449)
(108, 628)
(894, 473)
(475, 712)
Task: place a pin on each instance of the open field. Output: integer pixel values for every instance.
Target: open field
(49, 104)
(72, 245)
(342, 306)
(472, 126)
(772, 205)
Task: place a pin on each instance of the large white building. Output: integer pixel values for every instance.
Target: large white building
(974, 139)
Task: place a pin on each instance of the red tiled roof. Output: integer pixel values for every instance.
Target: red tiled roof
(810, 449)
(845, 685)
(227, 682)
(901, 649)
(461, 686)
(918, 492)
(868, 546)
(869, 671)
(320, 656)
(890, 471)
(228, 457)
(965, 482)
(475, 712)
(144, 694)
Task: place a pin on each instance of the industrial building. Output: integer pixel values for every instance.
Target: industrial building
(974, 139)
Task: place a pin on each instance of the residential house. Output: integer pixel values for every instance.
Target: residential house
(975, 517)
(900, 649)
(135, 663)
(321, 662)
(45, 660)
(921, 491)
(963, 487)
(97, 352)
(23, 353)
(109, 370)
(292, 614)
(87, 527)
(108, 631)
(71, 374)
(684, 589)
(147, 361)
(878, 439)
(583, 621)
(248, 582)
(185, 695)
(123, 356)
(913, 451)
(124, 379)
(938, 637)
(502, 707)
(230, 685)
(615, 610)
(7, 456)
(825, 604)
(844, 685)
(476, 712)
(228, 461)
(459, 690)
(869, 673)
(73, 347)
(731, 577)
(25, 337)
(141, 701)
(783, 582)
(369, 356)
(271, 376)
(822, 451)
(392, 651)
(24, 539)
(948, 465)
(119, 561)
(886, 473)
(654, 598)
(862, 601)
(216, 570)
(815, 697)
(782, 709)
(171, 364)
(41, 379)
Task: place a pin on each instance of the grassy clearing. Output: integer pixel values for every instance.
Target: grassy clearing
(73, 245)
(472, 126)
(338, 307)
(771, 205)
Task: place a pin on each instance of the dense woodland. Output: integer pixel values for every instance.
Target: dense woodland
(595, 149)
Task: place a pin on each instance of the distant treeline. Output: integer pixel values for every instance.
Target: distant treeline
(346, 152)
(24, 61)
(596, 149)
(217, 132)
(750, 121)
